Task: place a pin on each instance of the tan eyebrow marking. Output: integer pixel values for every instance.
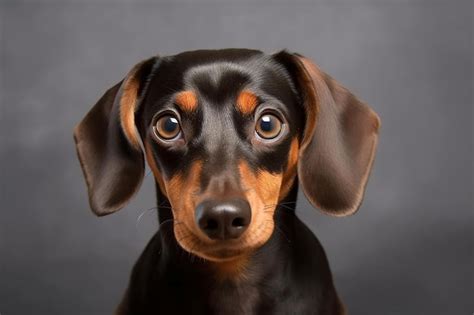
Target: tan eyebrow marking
(246, 102)
(186, 100)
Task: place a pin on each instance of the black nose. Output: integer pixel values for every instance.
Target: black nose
(223, 219)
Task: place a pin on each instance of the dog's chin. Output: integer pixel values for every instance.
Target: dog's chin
(222, 251)
(223, 254)
(218, 250)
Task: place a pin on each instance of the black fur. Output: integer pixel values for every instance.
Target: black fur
(290, 273)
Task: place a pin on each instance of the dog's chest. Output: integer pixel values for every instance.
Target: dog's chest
(234, 299)
(252, 300)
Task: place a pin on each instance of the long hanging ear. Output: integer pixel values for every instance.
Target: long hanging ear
(339, 142)
(109, 146)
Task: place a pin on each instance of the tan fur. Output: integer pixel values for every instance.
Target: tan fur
(291, 169)
(246, 102)
(235, 269)
(262, 190)
(128, 106)
(180, 191)
(154, 168)
(187, 101)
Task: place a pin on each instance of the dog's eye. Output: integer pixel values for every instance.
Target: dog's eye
(167, 127)
(268, 126)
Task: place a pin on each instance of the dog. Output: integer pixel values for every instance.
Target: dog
(229, 136)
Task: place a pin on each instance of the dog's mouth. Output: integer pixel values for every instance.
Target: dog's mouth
(221, 250)
(226, 253)
(215, 251)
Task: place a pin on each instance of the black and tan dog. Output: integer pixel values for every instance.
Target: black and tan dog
(229, 134)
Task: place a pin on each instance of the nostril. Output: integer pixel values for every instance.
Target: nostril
(223, 219)
(238, 222)
(211, 224)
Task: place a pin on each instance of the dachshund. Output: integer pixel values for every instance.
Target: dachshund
(229, 136)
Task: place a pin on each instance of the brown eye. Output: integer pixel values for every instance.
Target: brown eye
(167, 127)
(268, 126)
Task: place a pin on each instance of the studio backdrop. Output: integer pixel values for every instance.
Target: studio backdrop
(408, 250)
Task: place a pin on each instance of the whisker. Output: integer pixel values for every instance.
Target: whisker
(161, 205)
(165, 207)
(287, 207)
(287, 202)
(142, 214)
(277, 228)
(168, 221)
(278, 205)
(281, 204)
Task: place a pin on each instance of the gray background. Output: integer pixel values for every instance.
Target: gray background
(409, 250)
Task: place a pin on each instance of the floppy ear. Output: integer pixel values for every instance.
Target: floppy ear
(109, 146)
(339, 142)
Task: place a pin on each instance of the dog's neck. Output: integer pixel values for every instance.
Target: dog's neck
(255, 264)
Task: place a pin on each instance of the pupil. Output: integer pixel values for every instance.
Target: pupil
(266, 124)
(170, 124)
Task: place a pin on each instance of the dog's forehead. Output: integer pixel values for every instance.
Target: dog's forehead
(221, 74)
(218, 79)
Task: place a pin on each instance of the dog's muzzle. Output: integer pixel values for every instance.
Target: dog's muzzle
(223, 219)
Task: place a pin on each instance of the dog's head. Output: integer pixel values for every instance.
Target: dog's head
(227, 133)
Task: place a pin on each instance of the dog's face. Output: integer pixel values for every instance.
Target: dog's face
(222, 136)
(226, 133)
